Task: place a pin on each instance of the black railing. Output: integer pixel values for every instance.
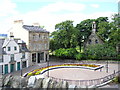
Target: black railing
(89, 82)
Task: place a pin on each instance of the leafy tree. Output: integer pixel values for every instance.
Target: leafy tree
(114, 37)
(65, 35)
(99, 51)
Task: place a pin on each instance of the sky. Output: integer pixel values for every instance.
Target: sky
(48, 13)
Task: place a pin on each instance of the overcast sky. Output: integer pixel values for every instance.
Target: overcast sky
(50, 12)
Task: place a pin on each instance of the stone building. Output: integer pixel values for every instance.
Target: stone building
(36, 38)
(93, 38)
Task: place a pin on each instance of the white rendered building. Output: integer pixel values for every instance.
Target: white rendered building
(36, 38)
(13, 55)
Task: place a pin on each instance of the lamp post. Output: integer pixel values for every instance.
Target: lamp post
(107, 66)
(48, 66)
(21, 68)
(107, 62)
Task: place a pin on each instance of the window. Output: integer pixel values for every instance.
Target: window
(34, 57)
(24, 64)
(1, 59)
(39, 35)
(15, 48)
(96, 41)
(12, 57)
(42, 56)
(89, 41)
(23, 55)
(44, 36)
(33, 37)
(8, 48)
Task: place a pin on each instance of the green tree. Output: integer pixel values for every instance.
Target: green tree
(66, 53)
(114, 37)
(65, 35)
(99, 51)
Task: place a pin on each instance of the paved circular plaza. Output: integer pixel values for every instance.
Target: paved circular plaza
(82, 74)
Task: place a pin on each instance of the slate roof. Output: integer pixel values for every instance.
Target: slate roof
(4, 42)
(34, 28)
(1, 43)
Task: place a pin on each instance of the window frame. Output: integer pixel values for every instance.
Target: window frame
(15, 48)
(12, 57)
(9, 48)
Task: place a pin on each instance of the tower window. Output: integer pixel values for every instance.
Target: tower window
(96, 41)
(90, 41)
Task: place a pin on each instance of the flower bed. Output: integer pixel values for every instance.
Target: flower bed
(43, 70)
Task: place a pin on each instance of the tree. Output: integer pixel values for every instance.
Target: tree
(114, 37)
(65, 35)
(104, 30)
(99, 51)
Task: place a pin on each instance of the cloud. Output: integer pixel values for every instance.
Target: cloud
(94, 5)
(7, 7)
(50, 15)
(62, 6)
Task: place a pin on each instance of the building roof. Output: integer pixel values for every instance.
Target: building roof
(20, 41)
(34, 28)
(4, 42)
(1, 44)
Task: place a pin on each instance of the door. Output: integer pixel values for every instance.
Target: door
(6, 68)
(18, 65)
(46, 57)
(38, 57)
(12, 66)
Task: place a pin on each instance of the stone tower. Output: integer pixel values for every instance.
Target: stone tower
(93, 38)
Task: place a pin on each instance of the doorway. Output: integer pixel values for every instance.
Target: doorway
(6, 68)
(12, 67)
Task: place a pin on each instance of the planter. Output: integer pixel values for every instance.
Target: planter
(84, 66)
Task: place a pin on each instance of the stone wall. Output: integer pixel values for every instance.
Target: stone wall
(38, 41)
(92, 40)
(36, 82)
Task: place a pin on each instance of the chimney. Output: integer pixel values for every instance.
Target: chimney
(36, 24)
(18, 21)
(11, 36)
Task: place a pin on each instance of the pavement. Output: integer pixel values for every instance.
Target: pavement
(81, 74)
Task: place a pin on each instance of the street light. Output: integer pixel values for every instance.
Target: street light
(48, 66)
(21, 66)
(107, 62)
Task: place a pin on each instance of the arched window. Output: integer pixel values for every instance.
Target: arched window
(90, 41)
(96, 41)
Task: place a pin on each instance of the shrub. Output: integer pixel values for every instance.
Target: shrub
(100, 52)
(66, 53)
(78, 56)
(116, 79)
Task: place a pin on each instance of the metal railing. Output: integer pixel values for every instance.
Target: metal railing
(89, 82)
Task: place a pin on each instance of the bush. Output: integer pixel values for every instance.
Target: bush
(116, 79)
(66, 53)
(100, 52)
(78, 56)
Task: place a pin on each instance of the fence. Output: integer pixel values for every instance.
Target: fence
(89, 82)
